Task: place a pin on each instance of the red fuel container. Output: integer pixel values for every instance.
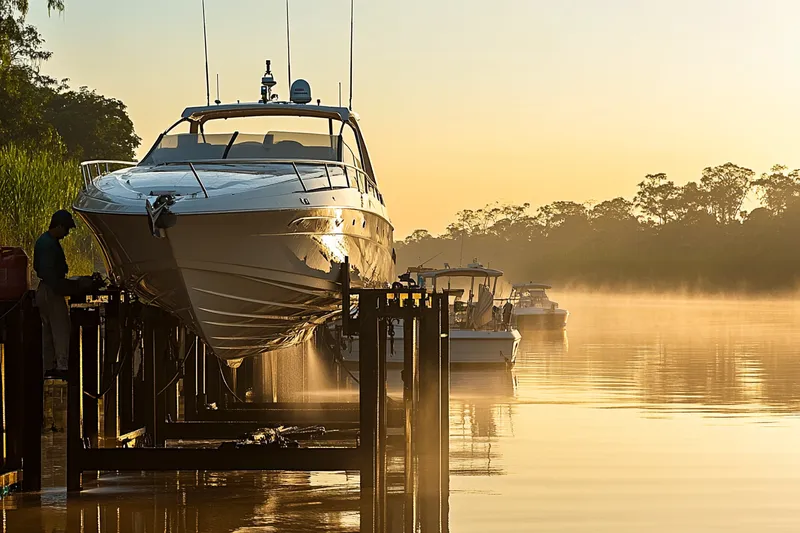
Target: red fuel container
(14, 278)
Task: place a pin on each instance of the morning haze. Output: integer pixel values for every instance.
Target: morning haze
(585, 320)
(472, 102)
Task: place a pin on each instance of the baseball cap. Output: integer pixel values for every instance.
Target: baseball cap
(63, 218)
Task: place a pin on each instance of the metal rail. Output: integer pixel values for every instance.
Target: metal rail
(90, 170)
(294, 163)
(199, 181)
(98, 165)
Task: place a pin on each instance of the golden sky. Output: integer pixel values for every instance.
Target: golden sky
(469, 102)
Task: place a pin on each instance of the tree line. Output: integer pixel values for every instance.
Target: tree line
(691, 237)
(46, 129)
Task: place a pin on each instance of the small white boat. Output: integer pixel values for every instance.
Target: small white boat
(533, 309)
(479, 334)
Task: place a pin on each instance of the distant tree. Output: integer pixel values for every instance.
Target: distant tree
(668, 236)
(418, 235)
(560, 213)
(657, 198)
(726, 185)
(466, 224)
(618, 210)
(692, 203)
(514, 213)
(513, 223)
(778, 188)
(479, 221)
(486, 217)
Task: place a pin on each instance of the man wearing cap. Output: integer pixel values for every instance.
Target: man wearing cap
(51, 267)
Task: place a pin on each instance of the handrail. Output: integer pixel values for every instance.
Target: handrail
(109, 161)
(88, 177)
(300, 179)
(191, 166)
(86, 173)
(264, 160)
(294, 163)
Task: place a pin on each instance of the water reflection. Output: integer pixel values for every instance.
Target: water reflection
(714, 357)
(481, 414)
(194, 502)
(543, 447)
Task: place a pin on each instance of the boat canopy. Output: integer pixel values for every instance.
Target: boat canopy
(463, 272)
(530, 286)
(254, 109)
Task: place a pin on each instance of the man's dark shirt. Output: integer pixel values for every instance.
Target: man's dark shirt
(49, 262)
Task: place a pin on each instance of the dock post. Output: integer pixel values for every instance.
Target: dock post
(382, 463)
(190, 380)
(162, 331)
(111, 355)
(150, 362)
(4, 347)
(368, 407)
(444, 411)
(429, 426)
(176, 335)
(129, 335)
(33, 396)
(8, 350)
(200, 377)
(12, 357)
(75, 405)
(410, 394)
(90, 345)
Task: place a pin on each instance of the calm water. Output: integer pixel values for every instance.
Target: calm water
(650, 414)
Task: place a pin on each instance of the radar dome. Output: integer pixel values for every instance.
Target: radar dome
(300, 93)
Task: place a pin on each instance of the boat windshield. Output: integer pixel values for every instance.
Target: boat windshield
(533, 298)
(470, 299)
(462, 287)
(273, 145)
(267, 137)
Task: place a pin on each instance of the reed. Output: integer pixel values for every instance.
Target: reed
(33, 185)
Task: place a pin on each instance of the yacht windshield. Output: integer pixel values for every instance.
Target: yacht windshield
(297, 140)
(273, 145)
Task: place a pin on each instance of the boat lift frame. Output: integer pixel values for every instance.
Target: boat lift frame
(140, 409)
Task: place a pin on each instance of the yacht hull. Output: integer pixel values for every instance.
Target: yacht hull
(247, 282)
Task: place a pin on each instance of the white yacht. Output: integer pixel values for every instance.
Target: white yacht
(238, 218)
(481, 334)
(533, 309)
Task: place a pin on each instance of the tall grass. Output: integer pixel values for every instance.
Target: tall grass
(33, 185)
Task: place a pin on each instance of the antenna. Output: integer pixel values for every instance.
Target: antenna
(351, 55)
(288, 44)
(431, 259)
(340, 94)
(205, 46)
(218, 101)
